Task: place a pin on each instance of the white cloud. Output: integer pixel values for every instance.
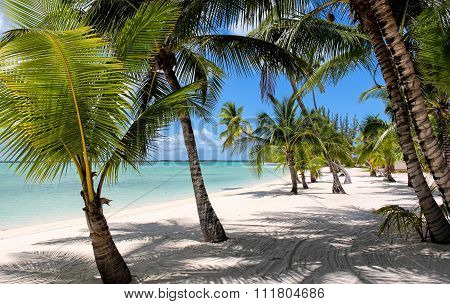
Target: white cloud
(2, 21)
(4, 24)
(241, 28)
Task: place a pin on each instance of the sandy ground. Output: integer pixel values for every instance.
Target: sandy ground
(315, 237)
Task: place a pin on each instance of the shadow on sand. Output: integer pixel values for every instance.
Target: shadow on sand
(307, 245)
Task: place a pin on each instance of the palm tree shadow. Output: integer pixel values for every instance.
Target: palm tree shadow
(50, 267)
(306, 245)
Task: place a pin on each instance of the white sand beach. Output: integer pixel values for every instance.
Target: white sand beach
(314, 237)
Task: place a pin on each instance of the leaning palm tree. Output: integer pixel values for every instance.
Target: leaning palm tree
(439, 227)
(379, 19)
(331, 144)
(67, 102)
(195, 51)
(327, 50)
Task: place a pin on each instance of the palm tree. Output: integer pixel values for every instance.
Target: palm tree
(378, 15)
(383, 31)
(328, 51)
(331, 144)
(236, 126)
(430, 31)
(380, 145)
(439, 227)
(193, 52)
(67, 102)
(275, 137)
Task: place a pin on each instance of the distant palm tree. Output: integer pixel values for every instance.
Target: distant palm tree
(67, 100)
(275, 136)
(331, 144)
(380, 145)
(231, 117)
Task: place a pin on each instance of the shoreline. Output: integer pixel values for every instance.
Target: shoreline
(149, 192)
(9, 232)
(274, 237)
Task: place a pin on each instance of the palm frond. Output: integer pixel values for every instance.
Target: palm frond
(399, 221)
(67, 91)
(144, 33)
(48, 14)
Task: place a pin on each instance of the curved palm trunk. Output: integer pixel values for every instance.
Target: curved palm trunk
(373, 172)
(293, 171)
(411, 85)
(304, 184)
(438, 225)
(299, 100)
(337, 187)
(110, 264)
(210, 225)
(348, 179)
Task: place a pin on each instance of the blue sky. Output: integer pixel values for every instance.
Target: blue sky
(342, 99)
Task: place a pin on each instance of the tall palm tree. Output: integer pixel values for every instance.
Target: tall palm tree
(67, 102)
(193, 53)
(381, 15)
(439, 227)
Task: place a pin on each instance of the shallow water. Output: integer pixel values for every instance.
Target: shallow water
(23, 203)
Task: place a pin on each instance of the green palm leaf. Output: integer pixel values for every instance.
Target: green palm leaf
(67, 101)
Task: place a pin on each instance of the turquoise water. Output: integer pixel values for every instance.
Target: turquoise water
(23, 203)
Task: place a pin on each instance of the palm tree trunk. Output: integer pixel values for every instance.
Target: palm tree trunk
(299, 100)
(389, 176)
(304, 184)
(444, 138)
(411, 85)
(337, 187)
(110, 264)
(313, 177)
(410, 185)
(438, 225)
(293, 171)
(348, 179)
(373, 172)
(210, 225)
(314, 99)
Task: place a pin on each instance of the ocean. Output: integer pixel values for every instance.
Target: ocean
(23, 204)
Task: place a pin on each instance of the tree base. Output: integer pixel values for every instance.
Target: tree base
(337, 189)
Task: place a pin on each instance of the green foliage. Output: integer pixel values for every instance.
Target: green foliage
(431, 34)
(401, 221)
(59, 80)
(66, 98)
(378, 144)
(231, 117)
